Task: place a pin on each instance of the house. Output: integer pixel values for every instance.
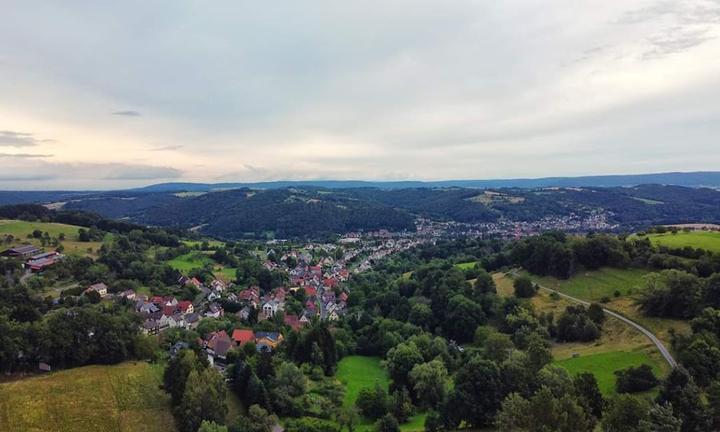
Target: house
(128, 294)
(271, 307)
(186, 307)
(40, 264)
(99, 288)
(218, 285)
(218, 344)
(214, 311)
(244, 313)
(147, 308)
(310, 291)
(267, 341)
(179, 346)
(169, 310)
(294, 322)
(151, 327)
(242, 336)
(183, 280)
(192, 320)
(306, 317)
(195, 282)
(343, 297)
(22, 251)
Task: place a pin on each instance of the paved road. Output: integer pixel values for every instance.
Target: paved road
(664, 351)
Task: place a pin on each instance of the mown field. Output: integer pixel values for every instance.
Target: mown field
(359, 372)
(20, 230)
(594, 285)
(708, 240)
(124, 397)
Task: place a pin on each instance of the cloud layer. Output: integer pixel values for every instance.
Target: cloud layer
(395, 89)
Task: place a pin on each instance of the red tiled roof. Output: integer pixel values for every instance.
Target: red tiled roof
(184, 305)
(242, 336)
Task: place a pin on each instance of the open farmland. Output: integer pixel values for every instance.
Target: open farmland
(119, 398)
(708, 240)
(20, 230)
(195, 260)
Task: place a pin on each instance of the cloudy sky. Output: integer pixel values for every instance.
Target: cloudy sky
(118, 94)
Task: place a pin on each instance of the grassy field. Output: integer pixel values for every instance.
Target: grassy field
(466, 265)
(124, 397)
(604, 365)
(593, 285)
(359, 372)
(503, 284)
(194, 260)
(708, 240)
(21, 229)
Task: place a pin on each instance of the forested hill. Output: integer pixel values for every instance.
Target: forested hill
(310, 212)
(690, 179)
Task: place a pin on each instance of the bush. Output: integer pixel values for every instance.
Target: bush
(524, 287)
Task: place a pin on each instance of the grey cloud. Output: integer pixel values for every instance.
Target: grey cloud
(25, 155)
(127, 113)
(19, 139)
(168, 148)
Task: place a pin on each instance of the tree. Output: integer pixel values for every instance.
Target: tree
(400, 361)
(388, 423)
(624, 414)
(347, 418)
(401, 406)
(586, 388)
(257, 420)
(256, 393)
(524, 287)
(544, 411)
(512, 416)
(463, 317)
(373, 403)
(204, 399)
(635, 379)
(176, 374)
(497, 346)
(680, 390)
(434, 422)
(429, 382)
(210, 426)
(478, 392)
(484, 284)
(290, 380)
(660, 419)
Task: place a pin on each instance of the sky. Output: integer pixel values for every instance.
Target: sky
(98, 95)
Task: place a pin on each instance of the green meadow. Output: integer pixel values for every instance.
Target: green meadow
(708, 240)
(195, 260)
(603, 366)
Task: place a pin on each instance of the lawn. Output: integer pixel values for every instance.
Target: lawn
(593, 285)
(708, 240)
(21, 229)
(603, 366)
(124, 397)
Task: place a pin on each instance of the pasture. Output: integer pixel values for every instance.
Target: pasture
(603, 366)
(593, 285)
(708, 240)
(20, 230)
(125, 398)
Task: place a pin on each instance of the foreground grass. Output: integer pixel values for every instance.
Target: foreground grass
(593, 285)
(124, 397)
(21, 229)
(604, 366)
(708, 240)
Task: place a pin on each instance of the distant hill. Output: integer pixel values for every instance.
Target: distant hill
(690, 179)
(312, 211)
